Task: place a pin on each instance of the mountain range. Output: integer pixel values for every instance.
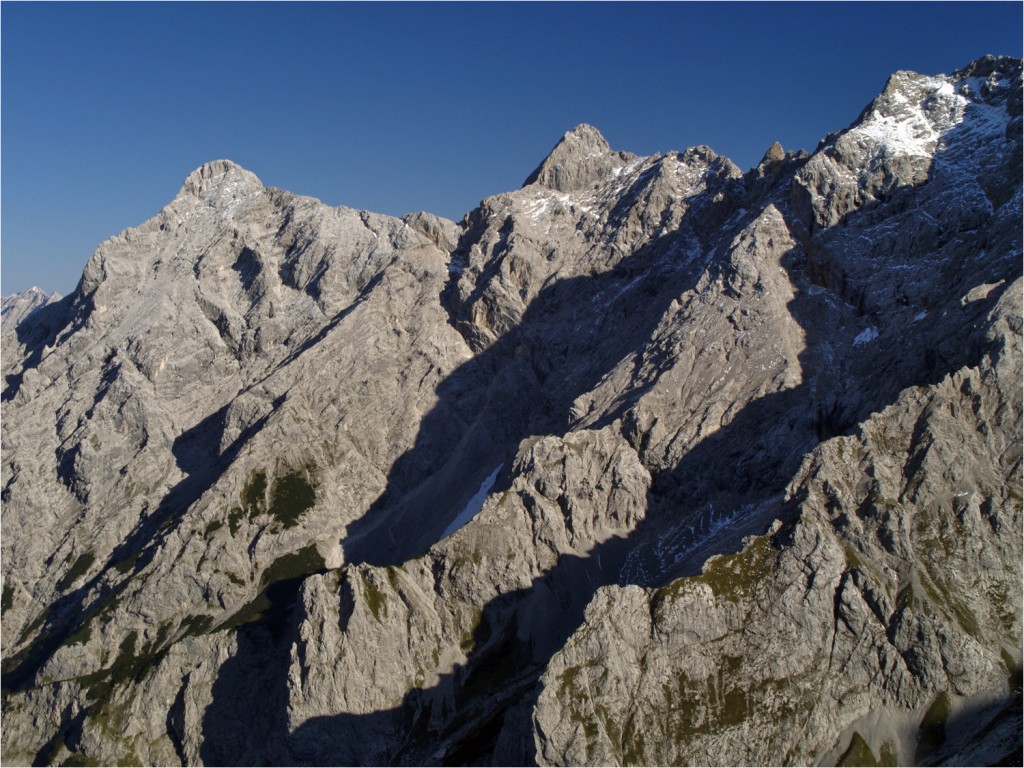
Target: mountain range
(651, 461)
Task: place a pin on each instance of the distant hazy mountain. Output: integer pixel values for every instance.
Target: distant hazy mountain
(651, 461)
(18, 306)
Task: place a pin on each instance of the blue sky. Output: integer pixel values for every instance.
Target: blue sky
(395, 108)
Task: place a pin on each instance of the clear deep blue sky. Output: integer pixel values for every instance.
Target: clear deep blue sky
(396, 108)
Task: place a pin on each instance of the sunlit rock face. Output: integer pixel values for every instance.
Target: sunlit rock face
(650, 461)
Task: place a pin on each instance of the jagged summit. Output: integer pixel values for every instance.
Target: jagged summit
(580, 158)
(18, 306)
(212, 179)
(774, 154)
(988, 64)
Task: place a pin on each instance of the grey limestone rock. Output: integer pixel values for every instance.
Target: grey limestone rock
(649, 461)
(878, 596)
(580, 159)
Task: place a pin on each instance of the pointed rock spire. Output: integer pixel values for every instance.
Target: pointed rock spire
(577, 161)
(774, 154)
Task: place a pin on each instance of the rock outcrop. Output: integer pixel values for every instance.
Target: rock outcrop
(649, 461)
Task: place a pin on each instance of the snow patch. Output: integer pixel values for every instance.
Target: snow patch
(865, 337)
(647, 563)
(917, 128)
(475, 504)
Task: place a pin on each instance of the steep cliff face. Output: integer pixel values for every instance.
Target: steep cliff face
(650, 461)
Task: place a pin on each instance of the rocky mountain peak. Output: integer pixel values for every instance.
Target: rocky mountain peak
(989, 64)
(213, 180)
(774, 154)
(586, 136)
(18, 306)
(580, 158)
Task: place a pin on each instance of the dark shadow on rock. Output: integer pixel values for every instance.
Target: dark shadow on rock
(248, 267)
(754, 456)
(68, 735)
(978, 734)
(246, 724)
(527, 365)
(320, 335)
(40, 329)
(491, 697)
(480, 419)
(198, 455)
(499, 677)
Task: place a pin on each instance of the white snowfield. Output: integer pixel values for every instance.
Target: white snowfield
(474, 505)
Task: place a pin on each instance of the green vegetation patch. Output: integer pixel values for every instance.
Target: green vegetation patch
(196, 625)
(375, 599)
(126, 667)
(734, 707)
(292, 496)
(235, 520)
(999, 598)
(905, 598)
(735, 577)
(79, 759)
(1013, 492)
(609, 723)
(294, 565)
(852, 559)
(254, 494)
(858, 753)
(8, 598)
(575, 691)
(634, 750)
(731, 577)
(1015, 673)
(81, 635)
(130, 665)
(469, 617)
(942, 595)
(79, 569)
(249, 613)
(889, 755)
(128, 564)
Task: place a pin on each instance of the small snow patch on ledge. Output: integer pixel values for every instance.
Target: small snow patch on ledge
(475, 504)
(865, 337)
